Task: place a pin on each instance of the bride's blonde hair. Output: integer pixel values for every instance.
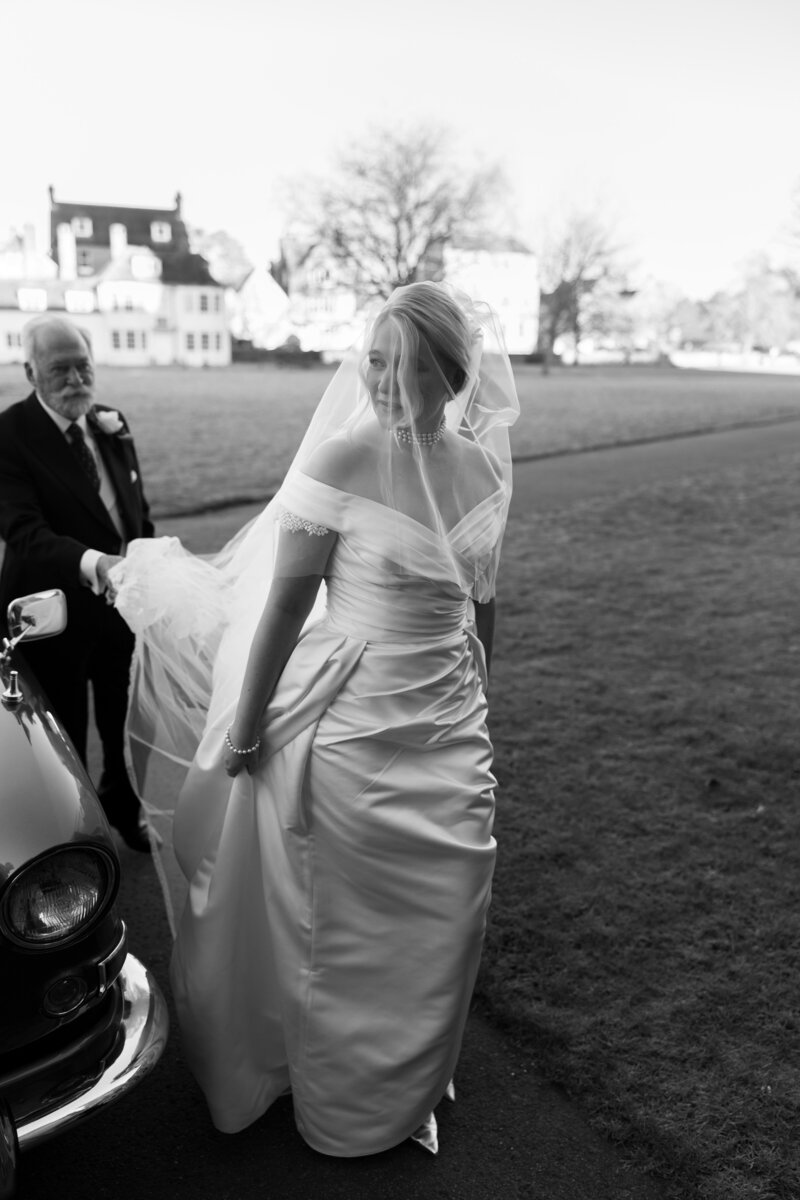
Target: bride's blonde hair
(437, 318)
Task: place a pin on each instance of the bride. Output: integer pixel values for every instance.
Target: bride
(324, 681)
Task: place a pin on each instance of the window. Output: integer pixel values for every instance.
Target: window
(190, 341)
(14, 339)
(130, 339)
(217, 303)
(218, 340)
(32, 299)
(161, 324)
(161, 231)
(144, 341)
(82, 227)
(116, 341)
(128, 304)
(79, 301)
(203, 302)
(84, 260)
(203, 341)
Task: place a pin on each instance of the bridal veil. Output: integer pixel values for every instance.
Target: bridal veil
(387, 422)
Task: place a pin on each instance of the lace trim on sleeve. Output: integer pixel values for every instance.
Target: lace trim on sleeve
(289, 520)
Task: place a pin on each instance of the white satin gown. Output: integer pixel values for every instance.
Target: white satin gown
(338, 897)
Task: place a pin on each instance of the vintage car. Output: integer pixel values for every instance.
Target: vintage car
(81, 1020)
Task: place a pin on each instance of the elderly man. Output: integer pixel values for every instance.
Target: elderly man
(71, 498)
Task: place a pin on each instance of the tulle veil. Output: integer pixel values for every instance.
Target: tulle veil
(194, 616)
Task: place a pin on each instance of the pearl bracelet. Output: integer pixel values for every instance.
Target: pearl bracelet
(235, 749)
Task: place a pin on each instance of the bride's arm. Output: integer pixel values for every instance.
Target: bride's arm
(299, 568)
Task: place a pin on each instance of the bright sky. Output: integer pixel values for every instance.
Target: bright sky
(680, 118)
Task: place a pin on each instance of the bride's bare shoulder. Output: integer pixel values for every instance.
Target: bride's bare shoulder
(336, 461)
(479, 461)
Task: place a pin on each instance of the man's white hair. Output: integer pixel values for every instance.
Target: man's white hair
(32, 330)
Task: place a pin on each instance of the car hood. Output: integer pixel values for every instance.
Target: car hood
(46, 797)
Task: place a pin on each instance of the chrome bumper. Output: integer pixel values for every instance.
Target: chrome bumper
(145, 1025)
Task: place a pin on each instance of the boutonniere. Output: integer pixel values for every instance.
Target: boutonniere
(110, 422)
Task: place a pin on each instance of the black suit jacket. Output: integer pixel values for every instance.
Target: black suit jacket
(50, 513)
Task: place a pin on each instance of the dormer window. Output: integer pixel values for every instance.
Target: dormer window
(32, 299)
(82, 227)
(79, 301)
(161, 231)
(145, 266)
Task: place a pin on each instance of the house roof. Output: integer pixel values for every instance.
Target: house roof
(187, 268)
(55, 289)
(251, 274)
(119, 269)
(175, 268)
(137, 222)
(182, 268)
(179, 265)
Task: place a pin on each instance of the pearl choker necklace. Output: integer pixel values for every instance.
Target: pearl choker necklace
(419, 439)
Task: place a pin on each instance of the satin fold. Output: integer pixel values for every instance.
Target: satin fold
(337, 899)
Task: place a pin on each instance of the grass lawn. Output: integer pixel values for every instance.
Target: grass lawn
(643, 940)
(236, 429)
(645, 931)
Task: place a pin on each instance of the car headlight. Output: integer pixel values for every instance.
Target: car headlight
(57, 896)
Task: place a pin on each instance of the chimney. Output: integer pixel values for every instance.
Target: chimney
(118, 240)
(67, 253)
(178, 201)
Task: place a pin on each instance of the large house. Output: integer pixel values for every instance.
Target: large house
(325, 312)
(127, 276)
(504, 274)
(257, 310)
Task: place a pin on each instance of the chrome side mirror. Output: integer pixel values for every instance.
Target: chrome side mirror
(40, 615)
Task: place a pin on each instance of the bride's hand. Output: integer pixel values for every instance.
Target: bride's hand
(236, 758)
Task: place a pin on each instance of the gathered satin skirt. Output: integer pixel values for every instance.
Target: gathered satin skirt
(337, 898)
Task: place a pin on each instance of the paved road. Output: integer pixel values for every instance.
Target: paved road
(559, 480)
(510, 1135)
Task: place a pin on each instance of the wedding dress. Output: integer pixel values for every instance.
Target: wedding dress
(337, 898)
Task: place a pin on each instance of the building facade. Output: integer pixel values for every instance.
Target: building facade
(326, 313)
(506, 277)
(128, 277)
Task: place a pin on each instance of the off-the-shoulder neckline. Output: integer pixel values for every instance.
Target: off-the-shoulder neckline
(486, 502)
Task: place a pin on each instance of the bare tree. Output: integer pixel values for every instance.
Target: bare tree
(791, 268)
(580, 260)
(395, 201)
(766, 311)
(227, 260)
(762, 313)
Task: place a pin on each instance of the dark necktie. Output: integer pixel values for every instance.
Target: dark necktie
(84, 454)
